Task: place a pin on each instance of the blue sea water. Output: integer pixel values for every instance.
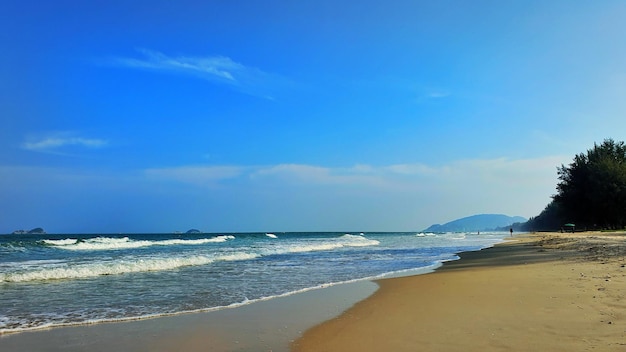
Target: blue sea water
(57, 280)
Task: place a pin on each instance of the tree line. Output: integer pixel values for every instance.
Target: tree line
(591, 192)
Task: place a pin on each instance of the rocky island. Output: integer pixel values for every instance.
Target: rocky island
(35, 231)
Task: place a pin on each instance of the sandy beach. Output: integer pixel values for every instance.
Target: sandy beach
(541, 292)
(538, 292)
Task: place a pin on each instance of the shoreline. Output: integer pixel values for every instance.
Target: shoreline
(271, 324)
(373, 315)
(544, 291)
(344, 294)
(261, 326)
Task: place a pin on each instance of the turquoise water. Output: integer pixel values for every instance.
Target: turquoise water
(56, 280)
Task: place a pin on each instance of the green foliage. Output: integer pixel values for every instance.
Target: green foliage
(551, 218)
(592, 189)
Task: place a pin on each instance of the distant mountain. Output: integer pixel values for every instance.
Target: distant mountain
(481, 222)
(35, 231)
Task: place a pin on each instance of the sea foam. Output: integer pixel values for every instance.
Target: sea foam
(346, 240)
(117, 267)
(108, 243)
(125, 265)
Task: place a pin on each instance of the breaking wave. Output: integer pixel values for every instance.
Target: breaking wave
(63, 269)
(116, 267)
(108, 243)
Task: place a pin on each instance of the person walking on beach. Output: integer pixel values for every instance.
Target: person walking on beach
(511, 231)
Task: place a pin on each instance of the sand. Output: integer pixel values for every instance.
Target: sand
(537, 292)
(263, 326)
(541, 292)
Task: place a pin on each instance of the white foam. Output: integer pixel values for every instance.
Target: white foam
(64, 242)
(117, 267)
(346, 240)
(217, 239)
(62, 270)
(312, 247)
(357, 241)
(271, 235)
(108, 243)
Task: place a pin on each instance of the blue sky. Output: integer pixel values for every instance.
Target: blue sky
(227, 116)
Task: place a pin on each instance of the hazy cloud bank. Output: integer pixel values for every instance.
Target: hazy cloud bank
(284, 197)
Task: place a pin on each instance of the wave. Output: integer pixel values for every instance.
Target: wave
(357, 241)
(29, 326)
(271, 235)
(426, 234)
(117, 267)
(346, 240)
(29, 264)
(108, 243)
(64, 242)
(59, 270)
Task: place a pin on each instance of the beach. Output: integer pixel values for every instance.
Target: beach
(263, 326)
(542, 292)
(228, 292)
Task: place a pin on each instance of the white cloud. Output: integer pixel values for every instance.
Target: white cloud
(56, 141)
(221, 69)
(218, 67)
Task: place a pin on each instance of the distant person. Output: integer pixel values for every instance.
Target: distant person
(511, 231)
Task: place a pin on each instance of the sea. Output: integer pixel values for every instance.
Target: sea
(62, 280)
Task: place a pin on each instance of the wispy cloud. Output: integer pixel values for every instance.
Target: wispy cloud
(58, 141)
(217, 69)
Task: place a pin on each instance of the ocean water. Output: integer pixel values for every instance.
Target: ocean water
(60, 280)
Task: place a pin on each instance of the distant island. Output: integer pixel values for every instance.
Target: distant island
(481, 222)
(35, 231)
(193, 231)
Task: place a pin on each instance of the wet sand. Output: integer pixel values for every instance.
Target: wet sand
(540, 292)
(544, 292)
(263, 326)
